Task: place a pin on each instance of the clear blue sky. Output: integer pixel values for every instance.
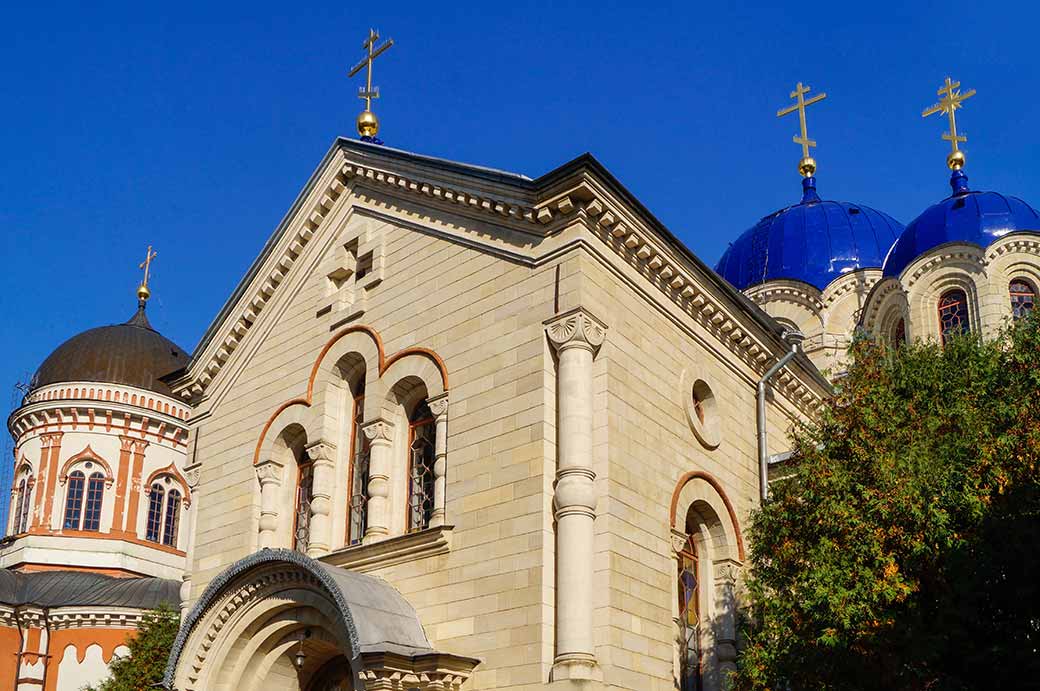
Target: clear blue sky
(192, 127)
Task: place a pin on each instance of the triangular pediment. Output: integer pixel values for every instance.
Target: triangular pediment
(522, 220)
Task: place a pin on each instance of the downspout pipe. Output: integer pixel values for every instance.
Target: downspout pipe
(794, 340)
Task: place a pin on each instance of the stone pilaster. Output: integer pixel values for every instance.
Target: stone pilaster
(321, 454)
(576, 336)
(269, 473)
(380, 435)
(439, 408)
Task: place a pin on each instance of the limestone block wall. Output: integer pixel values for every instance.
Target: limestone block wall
(488, 595)
(645, 445)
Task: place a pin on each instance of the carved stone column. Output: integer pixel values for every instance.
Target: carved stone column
(269, 473)
(725, 625)
(323, 482)
(380, 435)
(577, 336)
(439, 408)
(192, 473)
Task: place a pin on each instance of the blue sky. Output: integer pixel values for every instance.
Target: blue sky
(192, 127)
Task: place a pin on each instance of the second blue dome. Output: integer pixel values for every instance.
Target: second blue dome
(814, 241)
(977, 218)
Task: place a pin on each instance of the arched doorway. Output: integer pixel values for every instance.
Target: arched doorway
(334, 675)
(281, 621)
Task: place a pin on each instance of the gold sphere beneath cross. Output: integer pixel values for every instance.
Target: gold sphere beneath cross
(807, 167)
(143, 293)
(955, 160)
(367, 124)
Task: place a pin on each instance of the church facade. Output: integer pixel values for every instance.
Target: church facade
(462, 429)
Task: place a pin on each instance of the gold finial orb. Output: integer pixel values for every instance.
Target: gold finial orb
(807, 167)
(367, 124)
(955, 160)
(143, 293)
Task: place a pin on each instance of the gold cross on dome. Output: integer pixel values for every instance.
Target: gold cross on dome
(147, 263)
(367, 92)
(142, 290)
(951, 99)
(807, 166)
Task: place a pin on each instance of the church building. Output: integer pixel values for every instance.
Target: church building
(460, 429)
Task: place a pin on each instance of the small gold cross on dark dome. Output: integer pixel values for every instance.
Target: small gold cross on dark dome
(142, 290)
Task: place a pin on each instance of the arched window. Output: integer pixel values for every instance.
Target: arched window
(302, 513)
(689, 618)
(358, 480)
(95, 497)
(21, 508)
(899, 333)
(172, 521)
(155, 508)
(1023, 297)
(74, 500)
(953, 314)
(422, 430)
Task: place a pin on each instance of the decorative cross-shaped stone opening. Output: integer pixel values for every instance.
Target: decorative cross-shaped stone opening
(351, 269)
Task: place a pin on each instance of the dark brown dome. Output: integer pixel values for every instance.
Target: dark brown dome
(133, 354)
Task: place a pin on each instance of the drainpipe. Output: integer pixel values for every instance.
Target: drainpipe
(793, 339)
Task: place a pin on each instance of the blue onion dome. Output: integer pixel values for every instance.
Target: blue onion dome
(814, 241)
(968, 216)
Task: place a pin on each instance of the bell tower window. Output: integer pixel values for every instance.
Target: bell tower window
(170, 525)
(76, 518)
(155, 507)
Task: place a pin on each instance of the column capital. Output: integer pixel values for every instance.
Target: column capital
(193, 473)
(438, 404)
(575, 328)
(378, 431)
(321, 451)
(269, 471)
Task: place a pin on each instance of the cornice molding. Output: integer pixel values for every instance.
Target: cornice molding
(61, 416)
(580, 197)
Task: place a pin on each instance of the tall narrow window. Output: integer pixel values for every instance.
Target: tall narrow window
(172, 522)
(1023, 296)
(74, 500)
(422, 430)
(95, 497)
(302, 520)
(155, 507)
(358, 481)
(19, 519)
(953, 314)
(689, 619)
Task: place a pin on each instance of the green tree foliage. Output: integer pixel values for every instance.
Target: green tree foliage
(905, 551)
(150, 647)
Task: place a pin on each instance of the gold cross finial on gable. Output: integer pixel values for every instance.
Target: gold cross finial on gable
(367, 122)
(807, 166)
(951, 99)
(142, 290)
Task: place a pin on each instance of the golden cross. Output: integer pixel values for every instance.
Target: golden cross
(949, 103)
(147, 263)
(807, 166)
(367, 92)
